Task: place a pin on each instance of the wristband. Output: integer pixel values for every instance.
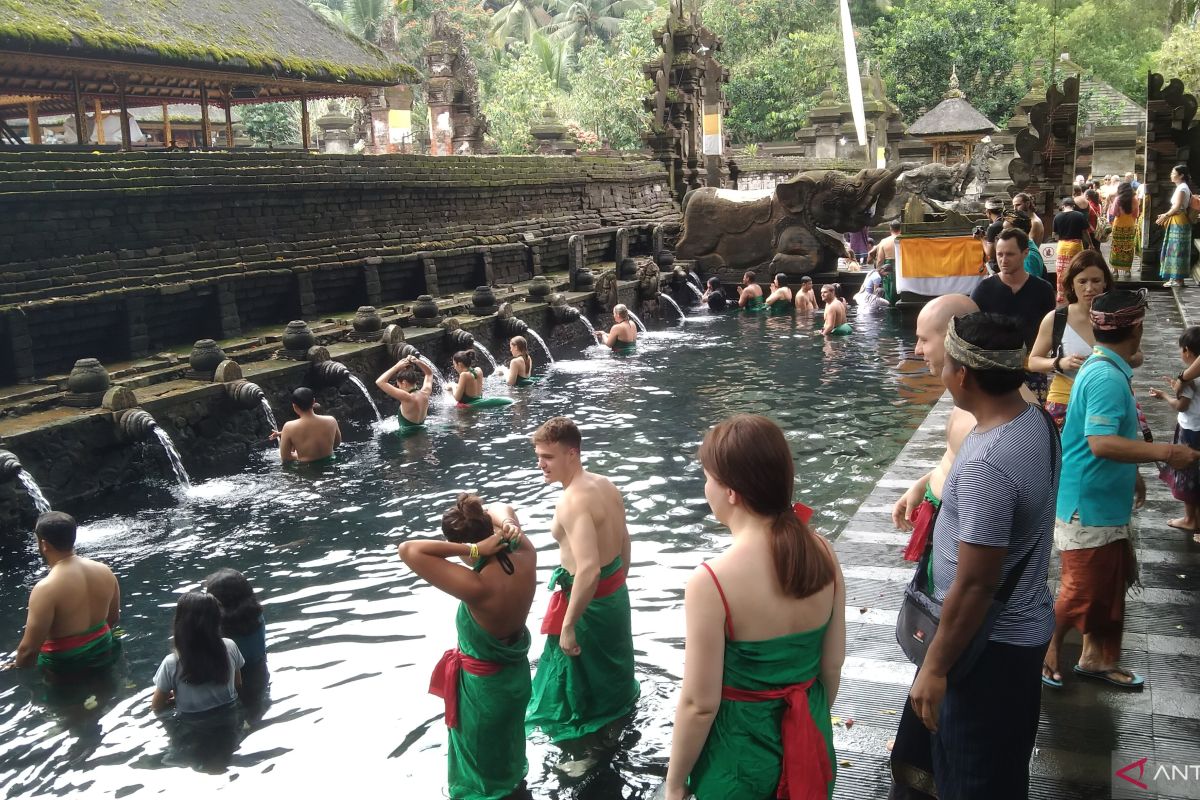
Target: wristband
(1058, 364)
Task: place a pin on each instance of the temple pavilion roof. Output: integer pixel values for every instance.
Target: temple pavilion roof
(954, 116)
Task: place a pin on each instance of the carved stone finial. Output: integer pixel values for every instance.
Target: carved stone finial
(953, 91)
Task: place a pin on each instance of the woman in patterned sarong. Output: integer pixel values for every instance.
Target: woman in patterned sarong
(1123, 213)
(1176, 256)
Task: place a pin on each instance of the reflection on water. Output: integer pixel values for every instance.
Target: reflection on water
(353, 636)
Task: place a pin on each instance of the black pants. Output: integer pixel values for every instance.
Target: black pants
(985, 736)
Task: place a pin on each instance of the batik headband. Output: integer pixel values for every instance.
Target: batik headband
(975, 357)
(1122, 317)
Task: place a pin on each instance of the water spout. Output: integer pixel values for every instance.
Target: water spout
(696, 292)
(587, 323)
(34, 491)
(270, 415)
(487, 355)
(674, 305)
(330, 373)
(534, 334)
(438, 381)
(694, 279)
(640, 325)
(10, 466)
(168, 446)
(366, 394)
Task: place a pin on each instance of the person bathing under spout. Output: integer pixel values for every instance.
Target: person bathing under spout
(309, 438)
(622, 337)
(585, 676)
(485, 679)
(412, 391)
(520, 369)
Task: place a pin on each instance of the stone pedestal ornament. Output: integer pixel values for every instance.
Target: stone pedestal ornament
(86, 384)
(483, 301)
(425, 312)
(540, 288)
(297, 339)
(367, 324)
(206, 355)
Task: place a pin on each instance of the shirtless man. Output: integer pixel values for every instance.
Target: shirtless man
(72, 609)
(312, 437)
(414, 401)
(584, 678)
(932, 323)
(835, 312)
(885, 251)
(751, 294)
(1037, 229)
(806, 299)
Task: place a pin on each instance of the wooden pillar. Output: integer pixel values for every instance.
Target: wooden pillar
(122, 82)
(227, 103)
(305, 138)
(80, 117)
(99, 112)
(167, 134)
(205, 127)
(35, 130)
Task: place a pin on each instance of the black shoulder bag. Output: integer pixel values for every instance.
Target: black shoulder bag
(920, 614)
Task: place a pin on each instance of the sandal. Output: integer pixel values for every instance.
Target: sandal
(1135, 684)
(1050, 680)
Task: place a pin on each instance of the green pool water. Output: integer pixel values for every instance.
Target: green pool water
(352, 635)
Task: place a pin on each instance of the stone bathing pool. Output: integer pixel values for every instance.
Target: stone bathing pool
(352, 635)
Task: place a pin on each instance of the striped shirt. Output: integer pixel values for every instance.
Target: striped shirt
(1000, 493)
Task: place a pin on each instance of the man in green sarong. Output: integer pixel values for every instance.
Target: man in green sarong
(584, 677)
(72, 610)
(750, 296)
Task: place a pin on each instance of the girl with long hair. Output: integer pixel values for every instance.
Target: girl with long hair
(203, 671)
(485, 681)
(468, 389)
(520, 369)
(766, 633)
(622, 337)
(242, 621)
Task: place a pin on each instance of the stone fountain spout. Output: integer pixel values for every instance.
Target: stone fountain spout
(508, 324)
(330, 373)
(10, 466)
(245, 394)
(135, 425)
(563, 313)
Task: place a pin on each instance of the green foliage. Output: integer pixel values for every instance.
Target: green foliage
(607, 86)
(919, 42)
(514, 98)
(1179, 57)
(1115, 40)
(272, 123)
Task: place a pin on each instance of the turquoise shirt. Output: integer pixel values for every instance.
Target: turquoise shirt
(1035, 265)
(1100, 490)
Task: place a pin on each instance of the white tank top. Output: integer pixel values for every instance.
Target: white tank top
(1074, 345)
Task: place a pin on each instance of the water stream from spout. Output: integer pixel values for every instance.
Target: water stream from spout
(266, 407)
(34, 491)
(587, 323)
(674, 305)
(699, 295)
(694, 279)
(362, 388)
(539, 340)
(173, 456)
(640, 325)
(487, 356)
(438, 380)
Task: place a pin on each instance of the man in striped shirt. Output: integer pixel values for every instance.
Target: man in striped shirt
(991, 541)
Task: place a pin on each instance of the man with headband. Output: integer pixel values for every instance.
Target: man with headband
(972, 721)
(1102, 446)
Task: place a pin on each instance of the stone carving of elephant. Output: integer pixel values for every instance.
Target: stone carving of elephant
(791, 229)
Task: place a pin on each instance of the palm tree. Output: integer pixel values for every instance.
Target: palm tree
(555, 57)
(518, 21)
(368, 19)
(576, 20)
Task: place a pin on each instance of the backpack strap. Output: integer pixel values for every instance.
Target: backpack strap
(1014, 576)
(1060, 328)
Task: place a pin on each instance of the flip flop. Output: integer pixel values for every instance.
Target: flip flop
(1048, 680)
(1135, 685)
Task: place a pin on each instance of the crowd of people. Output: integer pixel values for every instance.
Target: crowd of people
(1041, 454)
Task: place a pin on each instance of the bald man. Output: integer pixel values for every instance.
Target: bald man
(918, 507)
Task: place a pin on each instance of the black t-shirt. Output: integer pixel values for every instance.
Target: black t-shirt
(993, 230)
(1029, 306)
(1070, 225)
(717, 301)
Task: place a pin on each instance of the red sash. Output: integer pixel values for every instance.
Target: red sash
(72, 642)
(922, 519)
(553, 621)
(806, 772)
(444, 682)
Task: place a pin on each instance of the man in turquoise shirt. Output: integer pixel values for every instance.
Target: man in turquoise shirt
(1100, 486)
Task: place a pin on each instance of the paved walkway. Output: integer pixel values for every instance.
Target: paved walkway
(1083, 723)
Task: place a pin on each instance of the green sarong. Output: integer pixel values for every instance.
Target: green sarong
(94, 649)
(407, 427)
(575, 696)
(530, 381)
(780, 307)
(625, 348)
(755, 304)
(743, 755)
(842, 330)
(486, 686)
(889, 282)
(484, 402)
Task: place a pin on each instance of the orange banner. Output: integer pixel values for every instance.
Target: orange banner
(940, 257)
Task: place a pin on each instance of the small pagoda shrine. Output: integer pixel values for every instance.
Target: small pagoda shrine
(954, 127)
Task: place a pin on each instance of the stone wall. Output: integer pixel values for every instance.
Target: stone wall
(116, 255)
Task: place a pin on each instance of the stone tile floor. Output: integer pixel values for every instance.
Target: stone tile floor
(1083, 723)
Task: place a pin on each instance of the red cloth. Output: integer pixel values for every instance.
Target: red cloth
(71, 642)
(806, 772)
(1091, 593)
(553, 621)
(444, 682)
(922, 519)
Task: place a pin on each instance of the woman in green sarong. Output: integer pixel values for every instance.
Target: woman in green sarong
(468, 390)
(766, 634)
(780, 299)
(1175, 259)
(622, 336)
(520, 369)
(411, 390)
(485, 680)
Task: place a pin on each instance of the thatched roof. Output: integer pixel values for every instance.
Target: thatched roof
(269, 38)
(952, 116)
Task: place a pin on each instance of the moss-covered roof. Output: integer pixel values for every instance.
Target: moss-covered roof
(275, 38)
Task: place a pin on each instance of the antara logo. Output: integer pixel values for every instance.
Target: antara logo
(1141, 774)
(1124, 773)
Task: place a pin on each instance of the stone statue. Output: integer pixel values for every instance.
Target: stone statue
(945, 187)
(787, 229)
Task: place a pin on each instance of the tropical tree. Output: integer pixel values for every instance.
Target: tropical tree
(575, 21)
(517, 22)
(1179, 56)
(554, 56)
(272, 123)
(608, 87)
(514, 98)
